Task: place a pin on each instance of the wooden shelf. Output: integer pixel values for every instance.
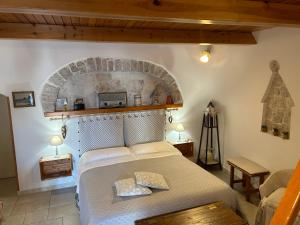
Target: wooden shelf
(113, 110)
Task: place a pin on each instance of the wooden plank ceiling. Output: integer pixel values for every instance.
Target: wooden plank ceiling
(146, 21)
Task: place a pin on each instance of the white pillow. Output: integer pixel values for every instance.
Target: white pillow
(128, 187)
(102, 154)
(152, 180)
(152, 147)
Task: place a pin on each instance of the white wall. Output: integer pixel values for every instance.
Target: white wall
(236, 78)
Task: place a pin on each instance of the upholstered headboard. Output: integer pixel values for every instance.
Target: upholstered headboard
(115, 130)
(143, 127)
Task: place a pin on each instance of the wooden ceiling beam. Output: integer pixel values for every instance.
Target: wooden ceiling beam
(223, 12)
(81, 33)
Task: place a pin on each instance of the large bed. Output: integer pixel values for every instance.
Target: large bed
(104, 159)
(189, 184)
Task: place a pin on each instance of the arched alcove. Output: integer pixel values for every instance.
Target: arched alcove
(85, 78)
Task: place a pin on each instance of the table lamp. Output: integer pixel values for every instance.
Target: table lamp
(56, 140)
(179, 128)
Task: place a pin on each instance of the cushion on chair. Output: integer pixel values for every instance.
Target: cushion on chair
(273, 199)
(268, 206)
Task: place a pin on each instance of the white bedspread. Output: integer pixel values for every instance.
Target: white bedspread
(190, 186)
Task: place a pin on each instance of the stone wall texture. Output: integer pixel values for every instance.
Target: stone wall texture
(277, 104)
(88, 77)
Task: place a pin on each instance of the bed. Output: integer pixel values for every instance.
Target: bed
(104, 159)
(189, 184)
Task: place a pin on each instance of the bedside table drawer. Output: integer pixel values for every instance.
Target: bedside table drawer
(53, 167)
(56, 168)
(55, 162)
(187, 149)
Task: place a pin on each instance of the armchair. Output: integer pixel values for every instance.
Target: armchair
(271, 192)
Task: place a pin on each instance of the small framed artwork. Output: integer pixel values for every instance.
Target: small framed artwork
(23, 99)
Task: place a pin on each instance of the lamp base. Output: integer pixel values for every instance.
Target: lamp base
(56, 153)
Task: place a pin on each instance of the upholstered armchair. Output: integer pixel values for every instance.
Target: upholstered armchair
(271, 192)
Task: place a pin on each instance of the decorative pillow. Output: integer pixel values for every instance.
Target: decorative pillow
(152, 180)
(153, 147)
(102, 154)
(128, 187)
(144, 127)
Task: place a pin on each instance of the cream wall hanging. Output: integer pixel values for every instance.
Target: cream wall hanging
(278, 105)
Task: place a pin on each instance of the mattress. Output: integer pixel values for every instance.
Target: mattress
(190, 186)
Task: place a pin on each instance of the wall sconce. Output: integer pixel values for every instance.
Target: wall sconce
(205, 55)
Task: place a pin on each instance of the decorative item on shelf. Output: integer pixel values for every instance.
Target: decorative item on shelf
(264, 128)
(155, 95)
(211, 156)
(169, 100)
(210, 109)
(79, 104)
(137, 100)
(112, 99)
(61, 104)
(155, 100)
(23, 99)
(285, 135)
(275, 131)
(179, 128)
(56, 140)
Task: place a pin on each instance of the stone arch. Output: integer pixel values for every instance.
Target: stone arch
(101, 69)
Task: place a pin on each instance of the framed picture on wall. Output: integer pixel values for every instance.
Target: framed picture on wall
(23, 99)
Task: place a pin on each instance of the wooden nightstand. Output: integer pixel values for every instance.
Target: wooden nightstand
(52, 167)
(186, 148)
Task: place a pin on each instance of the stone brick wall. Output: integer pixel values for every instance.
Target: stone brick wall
(85, 78)
(277, 105)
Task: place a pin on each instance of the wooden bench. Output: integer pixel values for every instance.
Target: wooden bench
(249, 169)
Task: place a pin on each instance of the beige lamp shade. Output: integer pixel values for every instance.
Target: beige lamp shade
(179, 127)
(56, 140)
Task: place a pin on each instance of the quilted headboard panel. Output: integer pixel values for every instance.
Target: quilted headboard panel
(143, 127)
(100, 131)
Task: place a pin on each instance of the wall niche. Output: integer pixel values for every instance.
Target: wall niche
(277, 106)
(88, 77)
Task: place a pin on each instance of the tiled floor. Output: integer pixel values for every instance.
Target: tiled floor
(58, 207)
(44, 208)
(246, 209)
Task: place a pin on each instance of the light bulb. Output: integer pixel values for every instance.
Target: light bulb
(205, 56)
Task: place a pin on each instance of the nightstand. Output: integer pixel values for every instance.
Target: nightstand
(53, 167)
(186, 147)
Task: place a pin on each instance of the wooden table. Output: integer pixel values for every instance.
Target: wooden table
(249, 169)
(185, 147)
(212, 214)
